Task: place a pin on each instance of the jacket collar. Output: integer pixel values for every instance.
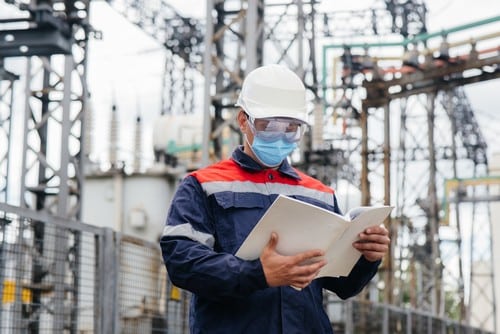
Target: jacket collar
(246, 162)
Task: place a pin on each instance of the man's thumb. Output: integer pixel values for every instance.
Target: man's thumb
(273, 241)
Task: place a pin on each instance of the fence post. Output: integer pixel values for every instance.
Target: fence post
(107, 271)
(409, 321)
(385, 322)
(348, 309)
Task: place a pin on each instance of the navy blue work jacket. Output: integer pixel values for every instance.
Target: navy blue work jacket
(212, 212)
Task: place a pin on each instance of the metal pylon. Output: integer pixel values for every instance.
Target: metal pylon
(434, 270)
(7, 80)
(244, 35)
(51, 163)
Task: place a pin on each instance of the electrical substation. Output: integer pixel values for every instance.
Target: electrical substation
(390, 119)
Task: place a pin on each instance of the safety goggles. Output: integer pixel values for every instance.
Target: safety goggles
(273, 129)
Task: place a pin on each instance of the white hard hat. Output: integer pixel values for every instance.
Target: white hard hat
(273, 91)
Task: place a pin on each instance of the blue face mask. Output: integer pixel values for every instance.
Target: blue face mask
(272, 153)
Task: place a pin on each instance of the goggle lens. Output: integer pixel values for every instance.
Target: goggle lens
(273, 129)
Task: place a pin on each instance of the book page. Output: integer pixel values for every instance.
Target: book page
(300, 227)
(354, 212)
(341, 255)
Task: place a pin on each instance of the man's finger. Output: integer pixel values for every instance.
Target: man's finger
(377, 230)
(375, 238)
(308, 256)
(371, 246)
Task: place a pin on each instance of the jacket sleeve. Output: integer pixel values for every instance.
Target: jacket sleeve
(187, 248)
(360, 275)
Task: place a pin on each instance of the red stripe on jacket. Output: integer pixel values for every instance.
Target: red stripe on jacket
(228, 170)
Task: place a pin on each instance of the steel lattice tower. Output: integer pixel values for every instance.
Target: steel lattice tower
(54, 48)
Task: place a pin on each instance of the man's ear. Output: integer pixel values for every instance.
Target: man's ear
(242, 120)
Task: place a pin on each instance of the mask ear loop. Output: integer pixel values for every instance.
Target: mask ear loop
(253, 152)
(251, 125)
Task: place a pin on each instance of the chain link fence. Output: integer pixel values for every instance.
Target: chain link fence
(68, 277)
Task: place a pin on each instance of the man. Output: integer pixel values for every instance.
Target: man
(215, 208)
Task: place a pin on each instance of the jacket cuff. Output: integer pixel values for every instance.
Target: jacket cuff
(253, 277)
(365, 266)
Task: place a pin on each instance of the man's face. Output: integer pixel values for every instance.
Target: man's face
(269, 131)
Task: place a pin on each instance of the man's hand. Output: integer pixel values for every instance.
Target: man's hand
(373, 243)
(296, 270)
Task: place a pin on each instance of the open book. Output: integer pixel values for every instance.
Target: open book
(301, 226)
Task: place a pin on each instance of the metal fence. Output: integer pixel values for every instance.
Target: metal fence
(354, 316)
(68, 277)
